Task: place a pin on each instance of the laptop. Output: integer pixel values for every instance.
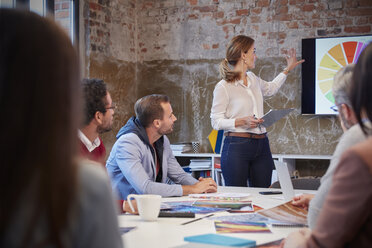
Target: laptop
(284, 180)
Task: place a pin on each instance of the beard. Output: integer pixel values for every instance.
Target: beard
(165, 131)
(104, 129)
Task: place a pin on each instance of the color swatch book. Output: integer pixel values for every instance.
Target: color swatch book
(241, 227)
(286, 213)
(222, 196)
(193, 209)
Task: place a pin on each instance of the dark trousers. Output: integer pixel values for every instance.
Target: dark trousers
(245, 159)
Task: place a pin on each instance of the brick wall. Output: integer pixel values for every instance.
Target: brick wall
(195, 29)
(174, 47)
(62, 14)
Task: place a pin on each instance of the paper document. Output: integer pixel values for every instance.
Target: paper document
(286, 213)
(274, 115)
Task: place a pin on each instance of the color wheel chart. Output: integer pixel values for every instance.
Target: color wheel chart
(337, 57)
(332, 54)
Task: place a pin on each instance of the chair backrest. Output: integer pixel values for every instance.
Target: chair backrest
(301, 183)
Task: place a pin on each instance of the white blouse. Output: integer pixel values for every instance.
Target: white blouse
(235, 100)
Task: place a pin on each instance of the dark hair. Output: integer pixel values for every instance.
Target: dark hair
(236, 46)
(148, 108)
(39, 94)
(361, 89)
(94, 92)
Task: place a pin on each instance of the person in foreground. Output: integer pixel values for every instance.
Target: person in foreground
(141, 160)
(237, 108)
(98, 116)
(346, 217)
(353, 134)
(48, 197)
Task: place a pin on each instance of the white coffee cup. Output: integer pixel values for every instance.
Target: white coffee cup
(148, 206)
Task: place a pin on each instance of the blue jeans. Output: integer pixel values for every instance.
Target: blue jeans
(246, 159)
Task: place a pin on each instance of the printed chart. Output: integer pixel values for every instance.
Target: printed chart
(334, 59)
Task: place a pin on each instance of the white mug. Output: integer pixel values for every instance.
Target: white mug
(148, 205)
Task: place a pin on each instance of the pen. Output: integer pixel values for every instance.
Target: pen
(191, 221)
(258, 125)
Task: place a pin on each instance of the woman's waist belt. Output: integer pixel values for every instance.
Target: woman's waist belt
(246, 135)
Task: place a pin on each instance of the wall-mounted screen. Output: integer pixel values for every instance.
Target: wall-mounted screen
(323, 58)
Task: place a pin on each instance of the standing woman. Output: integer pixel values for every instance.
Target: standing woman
(238, 107)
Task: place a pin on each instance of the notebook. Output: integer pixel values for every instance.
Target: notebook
(284, 180)
(216, 239)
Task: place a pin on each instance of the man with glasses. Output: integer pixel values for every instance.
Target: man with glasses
(98, 117)
(352, 135)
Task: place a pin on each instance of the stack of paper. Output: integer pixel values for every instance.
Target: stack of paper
(181, 147)
(200, 164)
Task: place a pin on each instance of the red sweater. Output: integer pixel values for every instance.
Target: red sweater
(98, 154)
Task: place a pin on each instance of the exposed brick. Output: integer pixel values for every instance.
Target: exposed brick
(317, 23)
(359, 30)
(335, 4)
(256, 11)
(107, 19)
(345, 21)
(95, 6)
(283, 17)
(206, 47)
(282, 10)
(193, 17)
(192, 2)
(295, 2)
(325, 32)
(241, 12)
(282, 35)
(365, 3)
(215, 46)
(230, 21)
(360, 12)
(210, 8)
(263, 3)
(219, 14)
(361, 20)
(283, 2)
(65, 5)
(255, 19)
(147, 5)
(62, 14)
(57, 6)
(308, 7)
(331, 23)
(305, 24)
(292, 25)
(144, 50)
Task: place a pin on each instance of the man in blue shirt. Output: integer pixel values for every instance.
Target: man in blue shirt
(141, 159)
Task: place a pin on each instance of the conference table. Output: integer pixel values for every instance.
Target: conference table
(168, 232)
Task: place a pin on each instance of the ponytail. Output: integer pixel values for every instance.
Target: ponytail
(226, 73)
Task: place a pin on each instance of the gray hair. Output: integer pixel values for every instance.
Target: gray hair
(341, 85)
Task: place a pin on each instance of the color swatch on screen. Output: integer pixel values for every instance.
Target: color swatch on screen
(333, 60)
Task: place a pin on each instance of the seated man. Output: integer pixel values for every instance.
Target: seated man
(141, 159)
(98, 116)
(353, 134)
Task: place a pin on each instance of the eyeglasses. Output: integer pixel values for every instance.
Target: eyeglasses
(113, 106)
(335, 107)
